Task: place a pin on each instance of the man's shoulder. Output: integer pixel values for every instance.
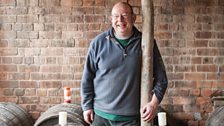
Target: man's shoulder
(103, 35)
(100, 39)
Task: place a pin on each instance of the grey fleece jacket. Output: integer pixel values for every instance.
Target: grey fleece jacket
(112, 73)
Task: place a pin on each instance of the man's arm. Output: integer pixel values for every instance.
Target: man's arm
(148, 112)
(87, 86)
(159, 73)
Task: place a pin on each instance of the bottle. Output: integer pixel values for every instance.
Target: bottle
(162, 118)
(62, 118)
(67, 95)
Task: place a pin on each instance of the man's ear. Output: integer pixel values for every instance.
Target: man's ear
(110, 18)
(133, 18)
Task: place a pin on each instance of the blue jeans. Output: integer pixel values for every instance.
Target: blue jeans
(99, 121)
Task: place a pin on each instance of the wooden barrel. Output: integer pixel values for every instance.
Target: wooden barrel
(50, 117)
(13, 115)
(216, 118)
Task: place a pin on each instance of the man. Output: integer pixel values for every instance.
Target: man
(110, 87)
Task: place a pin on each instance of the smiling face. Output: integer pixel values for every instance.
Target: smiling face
(122, 19)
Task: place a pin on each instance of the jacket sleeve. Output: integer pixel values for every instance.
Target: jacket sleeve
(159, 73)
(87, 88)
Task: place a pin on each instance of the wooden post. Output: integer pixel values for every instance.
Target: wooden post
(147, 53)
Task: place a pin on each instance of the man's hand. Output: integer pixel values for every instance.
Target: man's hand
(148, 111)
(88, 116)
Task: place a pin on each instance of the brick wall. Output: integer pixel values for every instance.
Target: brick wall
(43, 44)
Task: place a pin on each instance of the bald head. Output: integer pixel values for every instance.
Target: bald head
(123, 5)
(123, 19)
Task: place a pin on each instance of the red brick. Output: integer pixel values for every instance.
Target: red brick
(207, 60)
(28, 100)
(218, 84)
(110, 3)
(9, 84)
(205, 3)
(34, 115)
(202, 123)
(39, 108)
(50, 84)
(8, 92)
(178, 92)
(91, 34)
(202, 100)
(50, 100)
(93, 27)
(206, 92)
(3, 43)
(184, 3)
(41, 92)
(49, 35)
(204, 84)
(3, 76)
(183, 100)
(99, 2)
(47, 3)
(51, 68)
(208, 27)
(195, 92)
(9, 99)
(203, 35)
(27, 19)
(194, 76)
(82, 10)
(30, 92)
(198, 43)
(185, 68)
(135, 2)
(207, 68)
(28, 68)
(207, 52)
(68, 3)
(68, 34)
(221, 68)
(191, 108)
(183, 116)
(192, 123)
(52, 52)
(174, 10)
(204, 19)
(214, 76)
(196, 60)
(6, 27)
(216, 43)
(23, 3)
(218, 27)
(8, 2)
(53, 92)
(88, 2)
(94, 18)
(78, 76)
(18, 76)
(19, 92)
(8, 34)
(67, 76)
(163, 35)
(219, 35)
(17, 60)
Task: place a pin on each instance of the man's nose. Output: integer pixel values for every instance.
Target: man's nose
(120, 17)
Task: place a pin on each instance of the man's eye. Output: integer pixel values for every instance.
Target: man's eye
(125, 15)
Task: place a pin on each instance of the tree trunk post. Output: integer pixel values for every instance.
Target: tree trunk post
(147, 53)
